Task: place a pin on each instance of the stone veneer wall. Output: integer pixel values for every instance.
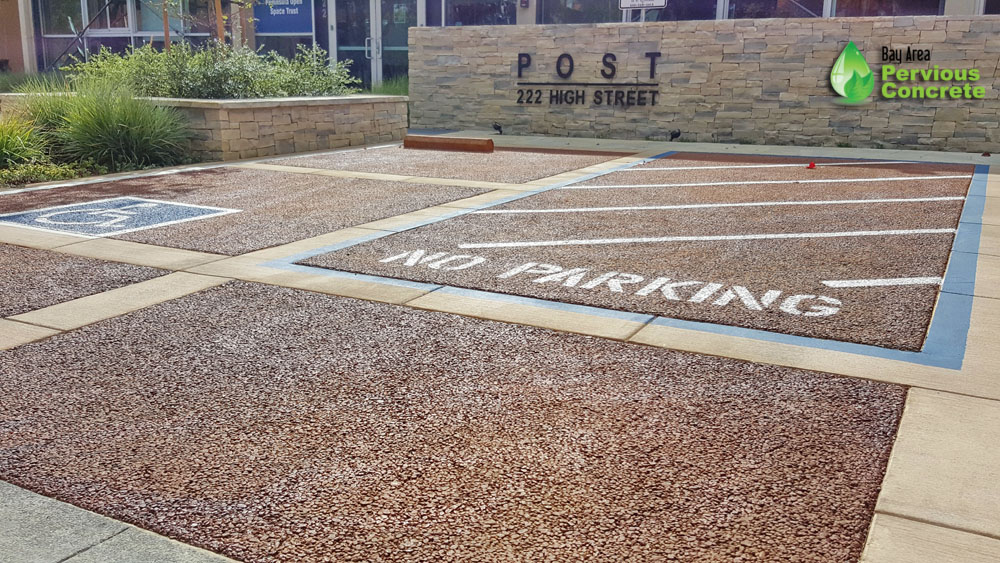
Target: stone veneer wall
(234, 129)
(762, 81)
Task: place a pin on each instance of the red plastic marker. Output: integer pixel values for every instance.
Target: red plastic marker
(811, 166)
(986, 154)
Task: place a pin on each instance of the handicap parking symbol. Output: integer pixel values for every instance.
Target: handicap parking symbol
(108, 217)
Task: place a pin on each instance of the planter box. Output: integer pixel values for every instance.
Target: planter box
(234, 129)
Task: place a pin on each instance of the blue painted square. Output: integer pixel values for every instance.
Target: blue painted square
(108, 217)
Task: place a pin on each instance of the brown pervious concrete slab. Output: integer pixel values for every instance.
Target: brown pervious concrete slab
(362, 431)
(895, 317)
(276, 207)
(732, 168)
(512, 167)
(31, 279)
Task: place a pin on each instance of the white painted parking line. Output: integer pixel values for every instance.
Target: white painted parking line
(800, 165)
(769, 182)
(883, 282)
(758, 236)
(718, 205)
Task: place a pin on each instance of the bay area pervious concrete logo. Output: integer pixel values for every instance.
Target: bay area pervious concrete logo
(853, 80)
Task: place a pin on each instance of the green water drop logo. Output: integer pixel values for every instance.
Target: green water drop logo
(850, 76)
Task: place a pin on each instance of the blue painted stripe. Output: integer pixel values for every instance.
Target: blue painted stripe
(951, 361)
(960, 276)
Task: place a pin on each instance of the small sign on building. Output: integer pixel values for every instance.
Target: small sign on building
(641, 4)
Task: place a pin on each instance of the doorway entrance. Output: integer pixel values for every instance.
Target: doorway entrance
(373, 35)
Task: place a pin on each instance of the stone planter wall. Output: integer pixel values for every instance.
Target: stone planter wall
(234, 129)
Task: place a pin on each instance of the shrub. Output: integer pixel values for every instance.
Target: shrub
(40, 172)
(45, 105)
(101, 122)
(105, 124)
(12, 81)
(217, 71)
(18, 143)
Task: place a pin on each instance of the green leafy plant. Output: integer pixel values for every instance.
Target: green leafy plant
(31, 173)
(217, 71)
(19, 143)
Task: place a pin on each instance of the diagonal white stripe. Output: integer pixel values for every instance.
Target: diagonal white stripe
(878, 282)
(718, 205)
(760, 236)
(767, 182)
(800, 165)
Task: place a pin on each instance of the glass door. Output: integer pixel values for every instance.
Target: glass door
(397, 17)
(354, 37)
(373, 34)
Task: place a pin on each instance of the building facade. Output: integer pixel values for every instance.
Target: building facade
(41, 34)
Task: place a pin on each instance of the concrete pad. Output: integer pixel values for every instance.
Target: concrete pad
(993, 182)
(249, 269)
(277, 168)
(483, 199)
(982, 363)
(899, 540)
(454, 182)
(87, 310)
(140, 254)
(988, 276)
(362, 175)
(991, 210)
(406, 221)
(945, 464)
(139, 546)
(989, 240)
(543, 317)
(37, 529)
(243, 268)
(31, 238)
(13, 333)
(311, 243)
(358, 289)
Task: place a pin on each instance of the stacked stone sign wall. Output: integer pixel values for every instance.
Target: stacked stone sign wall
(759, 81)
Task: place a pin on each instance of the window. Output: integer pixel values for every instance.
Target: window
(61, 17)
(433, 13)
(683, 10)
(888, 7)
(775, 8)
(108, 14)
(149, 14)
(992, 7)
(479, 12)
(579, 11)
